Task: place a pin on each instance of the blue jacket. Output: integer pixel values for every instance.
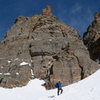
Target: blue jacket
(58, 84)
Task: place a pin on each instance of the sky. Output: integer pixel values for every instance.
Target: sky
(75, 13)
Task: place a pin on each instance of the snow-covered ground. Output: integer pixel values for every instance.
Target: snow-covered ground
(87, 89)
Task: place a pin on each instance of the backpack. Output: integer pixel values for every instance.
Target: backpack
(56, 86)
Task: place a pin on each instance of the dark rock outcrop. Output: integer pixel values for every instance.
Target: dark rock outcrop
(92, 38)
(52, 51)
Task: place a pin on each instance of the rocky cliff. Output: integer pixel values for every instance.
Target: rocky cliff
(92, 38)
(43, 47)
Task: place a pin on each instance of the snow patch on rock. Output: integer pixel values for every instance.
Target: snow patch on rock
(24, 63)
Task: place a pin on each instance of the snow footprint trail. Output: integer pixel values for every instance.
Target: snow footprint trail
(53, 96)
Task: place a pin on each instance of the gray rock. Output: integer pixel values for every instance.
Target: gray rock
(92, 38)
(53, 50)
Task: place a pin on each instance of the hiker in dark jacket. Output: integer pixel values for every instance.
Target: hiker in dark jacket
(59, 87)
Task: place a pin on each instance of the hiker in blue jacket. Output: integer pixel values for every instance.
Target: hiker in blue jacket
(59, 87)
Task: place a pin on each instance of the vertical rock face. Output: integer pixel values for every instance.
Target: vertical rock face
(51, 50)
(92, 38)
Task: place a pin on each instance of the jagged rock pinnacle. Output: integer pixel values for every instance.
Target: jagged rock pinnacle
(91, 38)
(47, 11)
(97, 16)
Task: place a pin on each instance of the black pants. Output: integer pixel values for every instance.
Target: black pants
(60, 90)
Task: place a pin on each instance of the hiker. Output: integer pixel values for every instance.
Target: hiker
(59, 87)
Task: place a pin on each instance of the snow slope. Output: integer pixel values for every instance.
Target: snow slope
(87, 89)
